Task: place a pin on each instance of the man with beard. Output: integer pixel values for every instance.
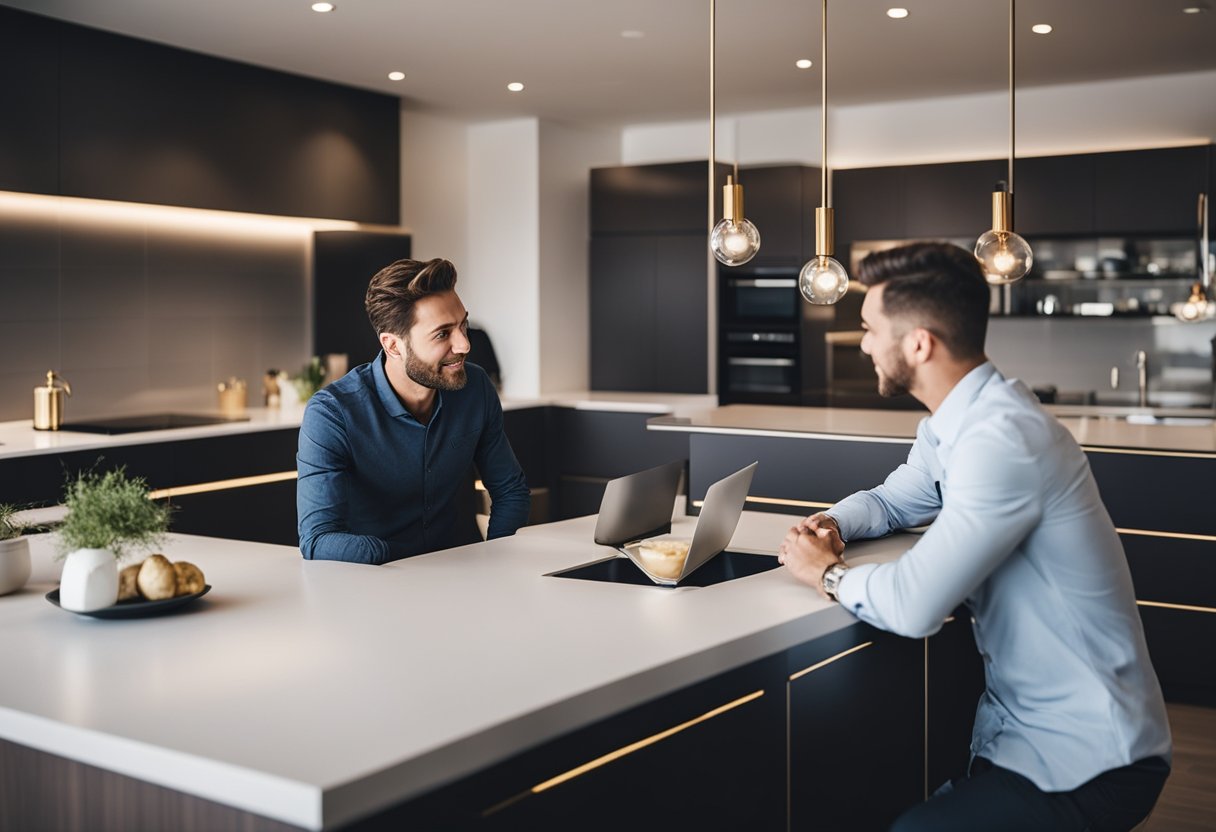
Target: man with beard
(385, 449)
(1071, 731)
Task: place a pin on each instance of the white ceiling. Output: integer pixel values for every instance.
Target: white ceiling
(459, 54)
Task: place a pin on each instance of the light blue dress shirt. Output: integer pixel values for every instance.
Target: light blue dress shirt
(1021, 537)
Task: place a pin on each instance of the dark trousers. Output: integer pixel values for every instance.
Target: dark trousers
(995, 799)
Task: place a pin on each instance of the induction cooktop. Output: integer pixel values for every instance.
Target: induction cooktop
(154, 421)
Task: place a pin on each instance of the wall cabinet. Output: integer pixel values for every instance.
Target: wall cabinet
(1141, 191)
(950, 200)
(1054, 195)
(105, 116)
(652, 199)
(29, 140)
(869, 204)
(781, 200)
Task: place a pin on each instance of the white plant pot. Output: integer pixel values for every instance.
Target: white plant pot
(89, 580)
(14, 564)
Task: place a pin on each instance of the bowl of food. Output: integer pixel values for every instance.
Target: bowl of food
(663, 557)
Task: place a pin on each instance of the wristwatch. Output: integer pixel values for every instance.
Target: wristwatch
(831, 579)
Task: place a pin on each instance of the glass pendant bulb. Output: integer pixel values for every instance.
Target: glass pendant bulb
(734, 242)
(823, 280)
(1195, 308)
(1004, 256)
(735, 239)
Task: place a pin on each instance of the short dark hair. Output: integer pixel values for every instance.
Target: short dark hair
(395, 289)
(935, 285)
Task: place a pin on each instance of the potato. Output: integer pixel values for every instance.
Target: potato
(189, 578)
(128, 587)
(157, 578)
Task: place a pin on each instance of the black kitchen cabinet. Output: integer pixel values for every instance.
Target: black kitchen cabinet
(1149, 191)
(649, 302)
(29, 102)
(653, 199)
(1054, 195)
(869, 204)
(954, 683)
(950, 200)
(781, 200)
(343, 263)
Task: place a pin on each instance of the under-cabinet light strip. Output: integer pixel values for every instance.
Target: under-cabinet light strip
(828, 661)
(1186, 607)
(220, 485)
(1089, 449)
(1177, 535)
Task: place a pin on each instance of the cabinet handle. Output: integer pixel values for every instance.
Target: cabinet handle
(760, 362)
(764, 283)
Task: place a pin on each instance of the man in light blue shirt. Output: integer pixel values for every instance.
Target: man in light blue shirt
(1071, 732)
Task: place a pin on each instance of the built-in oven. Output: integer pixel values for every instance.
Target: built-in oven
(761, 295)
(759, 365)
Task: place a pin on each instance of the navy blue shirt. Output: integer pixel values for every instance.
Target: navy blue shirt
(377, 485)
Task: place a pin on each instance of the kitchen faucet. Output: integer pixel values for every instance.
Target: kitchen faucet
(1142, 376)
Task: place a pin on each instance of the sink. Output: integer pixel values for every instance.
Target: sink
(725, 566)
(154, 421)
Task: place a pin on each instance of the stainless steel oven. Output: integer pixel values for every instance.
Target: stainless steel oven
(761, 296)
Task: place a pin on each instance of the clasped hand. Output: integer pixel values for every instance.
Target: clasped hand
(810, 547)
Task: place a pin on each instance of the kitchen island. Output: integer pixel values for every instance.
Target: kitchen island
(447, 689)
(1157, 482)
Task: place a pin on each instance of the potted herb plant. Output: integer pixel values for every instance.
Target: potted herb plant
(108, 514)
(14, 551)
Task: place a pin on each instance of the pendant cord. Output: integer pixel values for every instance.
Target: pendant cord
(713, 217)
(1011, 115)
(823, 115)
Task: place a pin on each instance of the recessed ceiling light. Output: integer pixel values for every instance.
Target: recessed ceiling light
(633, 34)
(515, 86)
(1041, 28)
(1196, 9)
(804, 63)
(897, 13)
(396, 76)
(323, 7)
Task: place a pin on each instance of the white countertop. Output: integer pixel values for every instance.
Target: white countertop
(899, 426)
(20, 439)
(314, 692)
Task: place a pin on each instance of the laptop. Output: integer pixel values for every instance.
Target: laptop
(628, 515)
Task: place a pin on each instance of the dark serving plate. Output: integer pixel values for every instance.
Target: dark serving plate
(136, 609)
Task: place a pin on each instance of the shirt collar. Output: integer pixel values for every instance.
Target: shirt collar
(945, 423)
(388, 396)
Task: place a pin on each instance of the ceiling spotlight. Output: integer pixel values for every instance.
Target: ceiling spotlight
(897, 13)
(1195, 9)
(323, 7)
(1041, 28)
(396, 76)
(515, 86)
(803, 63)
(632, 34)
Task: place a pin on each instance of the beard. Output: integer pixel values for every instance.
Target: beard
(433, 376)
(896, 382)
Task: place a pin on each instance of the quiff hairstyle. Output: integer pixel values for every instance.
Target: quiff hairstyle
(395, 289)
(937, 286)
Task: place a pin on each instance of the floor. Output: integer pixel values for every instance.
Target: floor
(1188, 803)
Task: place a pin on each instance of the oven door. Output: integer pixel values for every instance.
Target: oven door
(772, 375)
(758, 299)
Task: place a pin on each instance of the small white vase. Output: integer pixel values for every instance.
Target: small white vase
(89, 580)
(14, 564)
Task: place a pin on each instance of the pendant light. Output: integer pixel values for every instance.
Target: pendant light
(1004, 256)
(1198, 306)
(734, 240)
(823, 280)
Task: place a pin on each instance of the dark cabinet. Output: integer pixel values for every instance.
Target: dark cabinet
(29, 102)
(143, 122)
(954, 683)
(653, 199)
(781, 200)
(649, 307)
(343, 263)
(869, 204)
(950, 200)
(860, 694)
(1142, 191)
(1054, 195)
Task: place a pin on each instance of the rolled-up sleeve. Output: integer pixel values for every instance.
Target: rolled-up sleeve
(501, 473)
(322, 490)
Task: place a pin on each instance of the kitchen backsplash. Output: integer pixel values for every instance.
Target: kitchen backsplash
(143, 314)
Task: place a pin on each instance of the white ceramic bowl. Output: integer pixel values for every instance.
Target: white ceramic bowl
(14, 564)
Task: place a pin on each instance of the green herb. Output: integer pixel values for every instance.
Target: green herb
(111, 511)
(311, 379)
(10, 526)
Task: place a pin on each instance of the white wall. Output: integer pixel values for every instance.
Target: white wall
(1069, 118)
(500, 283)
(434, 186)
(566, 156)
